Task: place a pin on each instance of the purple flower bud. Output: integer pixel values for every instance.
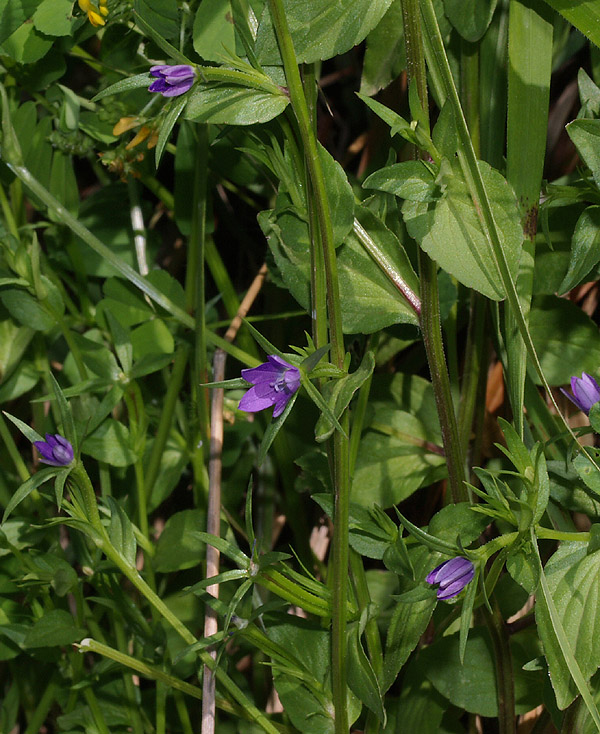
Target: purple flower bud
(452, 577)
(55, 450)
(586, 392)
(274, 383)
(171, 81)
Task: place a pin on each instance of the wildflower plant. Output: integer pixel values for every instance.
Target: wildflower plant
(281, 366)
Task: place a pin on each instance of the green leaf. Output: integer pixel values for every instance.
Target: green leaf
(412, 180)
(66, 416)
(385, 57)
(470, 17)
(167, 126)
(567, 616)
(585, 250)
(26, 430)
(586, 136)
(395, 457)
(450, 230)
(29, 485)
(214, 30)
(152, 338)
(320, 29)
(120, 532)
(125, 85)
(161, 15)
(232, 104)
(53, 17)
(583, 14)
(362, 680)
(179, 545)
(341, 394)
(55, 628)
(110, 443)
(566, 339)
(407, 624)
(472, 684)
(586, 470)
(13, 13)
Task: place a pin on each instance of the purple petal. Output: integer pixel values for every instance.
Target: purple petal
(263, 373)
(252, 403)
(281, 404)
(158, 69)
(174, 74)
(280, 362)
(176, 89)
(45, 450)
(160, 85)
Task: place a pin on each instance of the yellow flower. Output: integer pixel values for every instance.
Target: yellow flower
(96, 12)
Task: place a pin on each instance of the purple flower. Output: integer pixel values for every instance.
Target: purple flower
(586, 392)
(452, 577)
(55, 450)
(171, 81)
(274, 383)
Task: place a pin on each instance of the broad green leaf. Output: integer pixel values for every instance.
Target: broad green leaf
(408, 622)
(395, 456)
(151, 338)
(573, 582)
(56, 627)
(586, 136)
(179, 545)
(26, 45)
(53, 570)
(320, 29)
(472, 684)
(162, 15)
(566, 339)
(412, 180)
(585, 250)
(450, 231)
(232, 104)
(470, 17)
(13, 13)
(583, 14)
(214, 32)
(385, 57)
(586, 470)
(53, 17)
(369, 301)
(110, 443)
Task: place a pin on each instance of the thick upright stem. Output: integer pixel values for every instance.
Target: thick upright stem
(430, 308)
(339, 444)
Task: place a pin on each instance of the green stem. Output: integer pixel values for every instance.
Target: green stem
(430, 306)
(248, 711)
(504, 672)
(341, 476)
(166, 417)
(98, 716)
(38, 717)
(548, 534)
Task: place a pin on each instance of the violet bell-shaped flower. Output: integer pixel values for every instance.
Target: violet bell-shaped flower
(55, 450)
(452, 576)
(171, 81)
(586, 392)
(274, 383)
